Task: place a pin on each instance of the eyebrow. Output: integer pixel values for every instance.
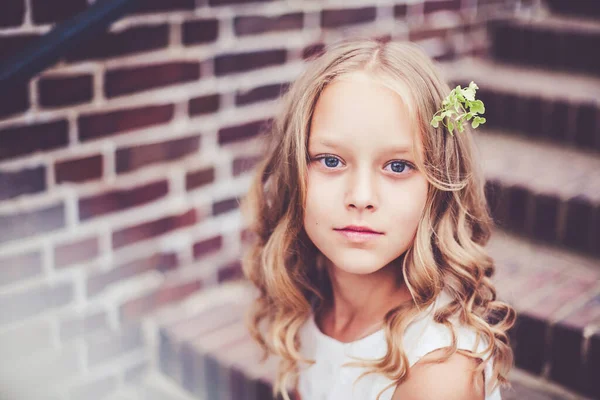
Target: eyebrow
(334, 145)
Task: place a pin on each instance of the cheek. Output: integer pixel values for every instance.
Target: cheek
(319, 198)
(408, 203)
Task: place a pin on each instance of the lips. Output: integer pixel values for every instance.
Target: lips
(357, 228)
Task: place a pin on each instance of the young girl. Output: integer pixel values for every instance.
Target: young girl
(369, 227)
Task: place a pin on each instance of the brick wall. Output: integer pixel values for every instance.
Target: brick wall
(121, 166)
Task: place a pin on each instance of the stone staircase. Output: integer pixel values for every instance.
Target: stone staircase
(540, 149)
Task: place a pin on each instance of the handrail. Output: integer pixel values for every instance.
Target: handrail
(48, 49)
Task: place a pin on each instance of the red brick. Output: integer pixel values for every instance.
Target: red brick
(267, 92)
(44, 12)
(66, 254)
(84, 325)
(578, 224)
(196, 179)
(207, 246)
(175, 336)
(255, 24)
(313, 51)
(443, 5)
(247, 236)
(79, 169)
(223, 206)
(566, 364)
(34, 301)
(229, 272)
(519, 209)
(579, 51)
(95, 126)
(15, 268)
(132, 158)
(545, 219)
(497, 199)
(244, 164)
(559, 121)
(596, 232)
(536, 110)
(240, 132)
(13, 44)
(591, 381)
(120, 200)
(400, 11)
(587, 125)
(158, 261)
(31, 223)
(335, 18)
(583, 8)
(199, 31)
(60, 91)
(530, 352)
(152, 6)
(493, 115)
(152, 229)
(136, 308)
(204, 104)
(509, 104)
(25, 181)
(130, 80)
(419, 33)
(101, 349)
(130, 41)
(23, 140)
(200, 363)
(13, 13)
(241, 62)
(15, 100)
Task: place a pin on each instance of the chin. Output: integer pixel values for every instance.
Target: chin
(355, 264)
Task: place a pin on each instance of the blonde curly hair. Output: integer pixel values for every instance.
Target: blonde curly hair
(448, 250)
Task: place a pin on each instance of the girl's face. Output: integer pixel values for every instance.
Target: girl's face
(362, 173)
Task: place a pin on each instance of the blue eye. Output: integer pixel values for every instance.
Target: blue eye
(330, 162)
(399, 166)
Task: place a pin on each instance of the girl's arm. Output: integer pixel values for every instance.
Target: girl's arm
(450, 380)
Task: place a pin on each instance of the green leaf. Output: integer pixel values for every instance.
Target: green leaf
(447, 113)
(477, 106)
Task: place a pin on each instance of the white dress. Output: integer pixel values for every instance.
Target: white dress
(327, 380)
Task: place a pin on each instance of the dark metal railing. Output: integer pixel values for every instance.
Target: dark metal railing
(48, 49)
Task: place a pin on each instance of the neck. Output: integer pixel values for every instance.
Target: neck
(360, 300)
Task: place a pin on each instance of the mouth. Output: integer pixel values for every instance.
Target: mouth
(359, 234)
(359, 229)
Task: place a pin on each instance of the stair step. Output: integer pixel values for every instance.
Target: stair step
(583, 8)
(542, 191)
(537, 165)
(549, 105)
(527, 387)
(557, 297)
(549, 42)
(550, 288)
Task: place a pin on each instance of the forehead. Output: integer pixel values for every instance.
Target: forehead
(357, 109)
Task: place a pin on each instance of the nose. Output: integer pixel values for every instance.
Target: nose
(362, 191)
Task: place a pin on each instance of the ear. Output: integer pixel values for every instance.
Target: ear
(453, 379)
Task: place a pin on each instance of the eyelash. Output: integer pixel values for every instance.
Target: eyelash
(406, 163)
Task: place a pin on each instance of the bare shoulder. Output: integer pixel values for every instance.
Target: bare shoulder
(450, 380)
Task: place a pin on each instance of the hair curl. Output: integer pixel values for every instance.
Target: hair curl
(448, 249)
